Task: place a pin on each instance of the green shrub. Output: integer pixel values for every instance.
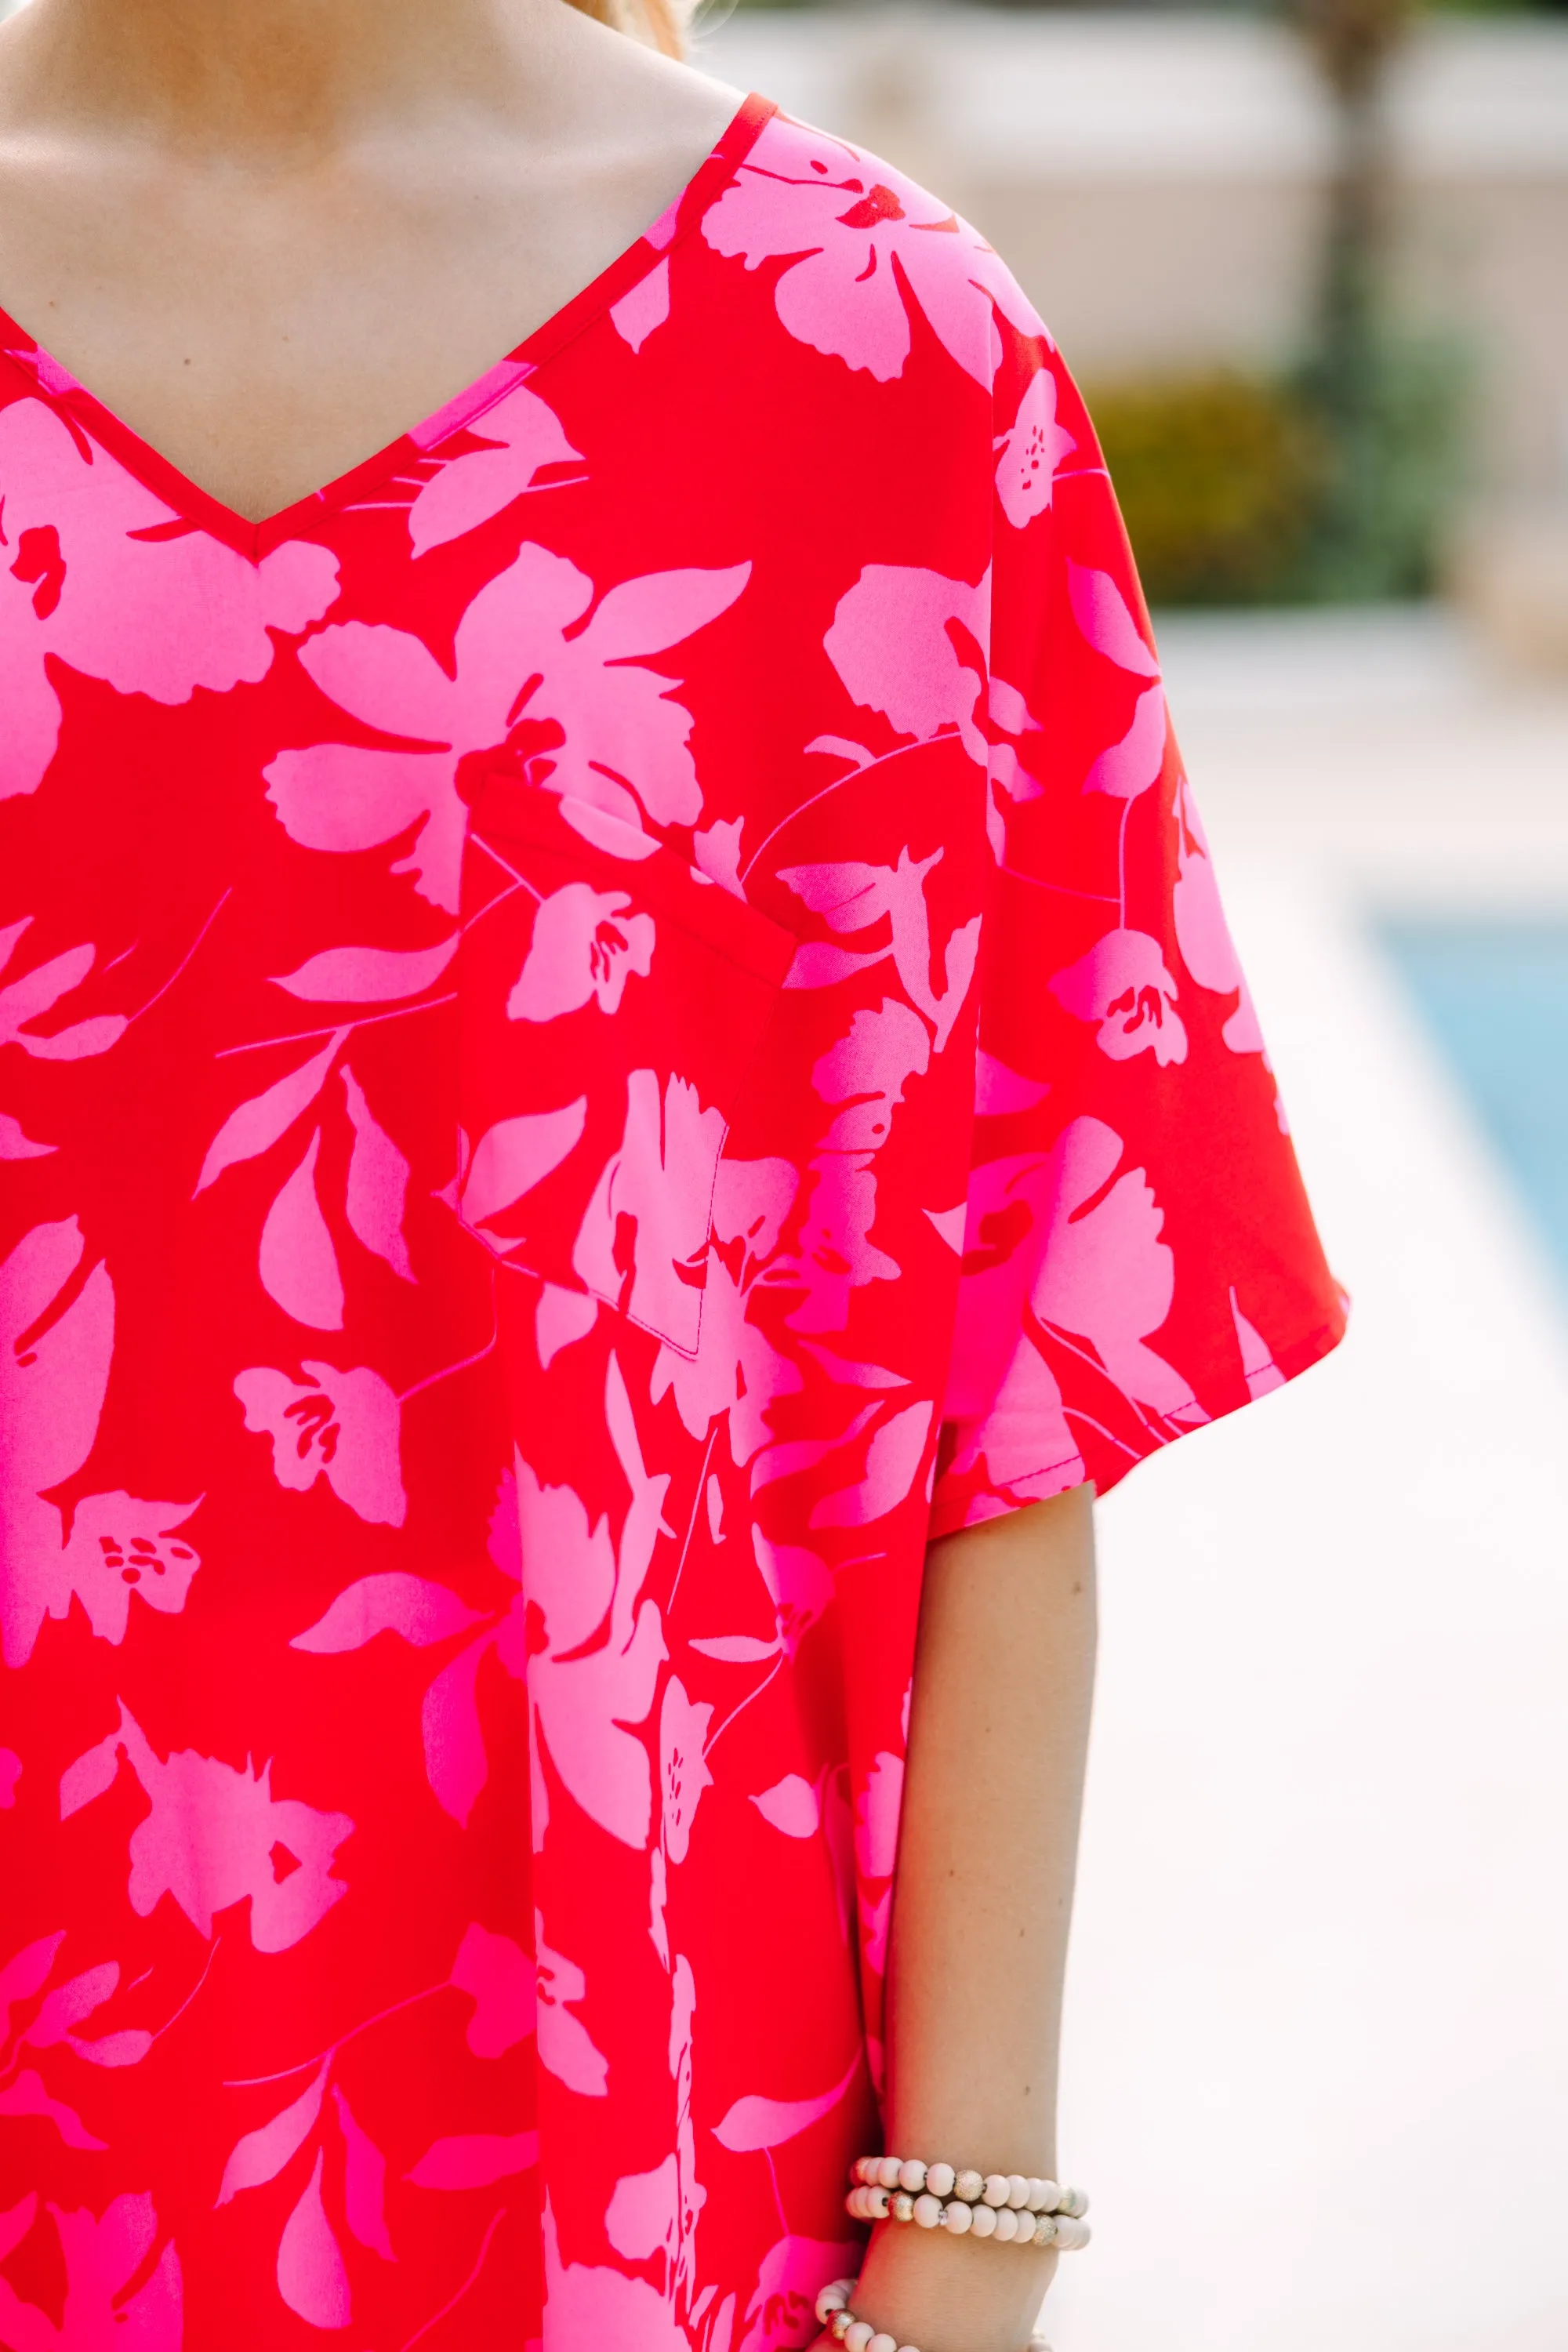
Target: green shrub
(1303, 487)
(1221, 479)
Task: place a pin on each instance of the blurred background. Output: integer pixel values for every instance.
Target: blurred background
(1311, 266)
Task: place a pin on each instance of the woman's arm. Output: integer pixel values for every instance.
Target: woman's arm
(998, 1726)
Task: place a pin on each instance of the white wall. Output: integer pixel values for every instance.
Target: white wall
(1156, 180)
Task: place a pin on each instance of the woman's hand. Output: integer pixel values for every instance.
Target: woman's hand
(982, 1900)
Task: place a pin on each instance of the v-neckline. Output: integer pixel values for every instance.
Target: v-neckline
(42, 373)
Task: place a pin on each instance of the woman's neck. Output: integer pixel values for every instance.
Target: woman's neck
(269, 80)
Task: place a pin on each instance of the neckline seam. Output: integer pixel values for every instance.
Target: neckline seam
(81, 408)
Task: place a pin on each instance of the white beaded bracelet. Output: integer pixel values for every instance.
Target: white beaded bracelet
(858, 2335)
(1012, 2210)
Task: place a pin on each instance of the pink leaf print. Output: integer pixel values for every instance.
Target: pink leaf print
(212, 1838)
(662, 1180)
(892, 1462)
(54, 1373)
(312, 2278)
(588, 2303)
(377, 1183)
(126, 2049)
(27, 2097)
(842, 220)
(650, 614)
(733, 1649)
(15, 1144)
(70, 2003)
(368, 975)
(1202, 933)
(1028, 1445)
(1107, 620)
(523, 436)
(102, 2257)
(791, 2276)
(562, 1316)
(852, 895)
(1122, 986)
(146, 605)
(637, 313)
(475, 2161)
(516, 1154)
(498, 1976)
(37, 992)
(644, 2211)
(394, 1603)
(346, 1424)
(892, 643)
(1099, 1271)
(298, 1264)
(566, 2046)
(585, 944)
(26, 1972)
(1130, 766)
(122, 1544)
(455, 1760)
(790, 1806)
(365, 2183)
(684, 1726)
(596, 1675)
(999, 1091)
(756, 2122)
(1262, 1374)
(261, 2155)
(256, 1124)
(1029, 452)
(800, 1583)
(620, 738)
(14, 2224)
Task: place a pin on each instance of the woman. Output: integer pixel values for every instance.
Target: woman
(612, 1024)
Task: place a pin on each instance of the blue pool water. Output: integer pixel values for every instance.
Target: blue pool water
(1495, 995)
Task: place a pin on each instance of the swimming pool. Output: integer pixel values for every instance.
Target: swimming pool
(1495, 995)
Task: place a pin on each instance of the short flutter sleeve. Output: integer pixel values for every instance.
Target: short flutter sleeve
(1139, 1256)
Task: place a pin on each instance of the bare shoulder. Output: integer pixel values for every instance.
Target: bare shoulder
(632, 109)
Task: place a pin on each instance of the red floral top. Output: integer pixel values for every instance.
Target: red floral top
(606, 1025)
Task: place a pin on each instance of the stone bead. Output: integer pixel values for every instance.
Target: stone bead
(876, 2201)
(866, 2171)
(1074, 2203)
(958, 2216)
(833, 2298)
(888, 2170)
(984, 2222)
(928, 2214)
(940, 2179)
(996, 2188)
(912, 2177)
(1018, 2192)
(883, 2342)
(1006, 2225)
(902, 2205)
(1071, 2233)
(1042, 2195)
(858, 2335)
(968, 2185)
(906, 2347)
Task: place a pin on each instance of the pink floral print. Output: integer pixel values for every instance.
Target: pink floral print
(605, 1025)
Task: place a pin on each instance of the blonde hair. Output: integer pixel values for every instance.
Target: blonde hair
(662, 23)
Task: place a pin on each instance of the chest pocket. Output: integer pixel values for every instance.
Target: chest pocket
(612, 1003)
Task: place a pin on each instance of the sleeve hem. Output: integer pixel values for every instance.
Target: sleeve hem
(984, 1504)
